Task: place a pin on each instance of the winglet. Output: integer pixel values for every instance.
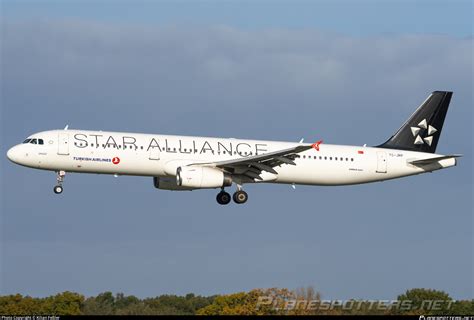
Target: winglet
(316, 145)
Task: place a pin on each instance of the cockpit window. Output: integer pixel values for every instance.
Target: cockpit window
(34, 141)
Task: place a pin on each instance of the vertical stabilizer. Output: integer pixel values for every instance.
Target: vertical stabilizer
(422, 130)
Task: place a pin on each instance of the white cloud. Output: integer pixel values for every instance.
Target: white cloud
(170, 71)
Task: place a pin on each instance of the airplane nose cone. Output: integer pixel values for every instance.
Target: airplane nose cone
(12, 154)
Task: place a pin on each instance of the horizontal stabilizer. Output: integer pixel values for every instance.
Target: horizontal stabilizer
(433, 160)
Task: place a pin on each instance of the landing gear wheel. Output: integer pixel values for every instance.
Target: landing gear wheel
(240, 197)
(59, 179)
(58, 189)
(223, 198)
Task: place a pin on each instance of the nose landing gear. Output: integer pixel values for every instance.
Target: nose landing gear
(58, 189)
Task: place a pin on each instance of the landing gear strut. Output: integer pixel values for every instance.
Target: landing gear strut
(60, 179)
(223, 197)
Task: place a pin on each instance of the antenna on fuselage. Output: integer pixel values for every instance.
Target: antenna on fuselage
(66, 127)
(301, 141)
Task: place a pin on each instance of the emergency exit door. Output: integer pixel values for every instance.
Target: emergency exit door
(381, 162)
(63, 143)
(154, 153)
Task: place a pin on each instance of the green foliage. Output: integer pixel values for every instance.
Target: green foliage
(427, 301)
(66, 303)
(241, 303)
(108, 304)
(462, 308)
(171, 304)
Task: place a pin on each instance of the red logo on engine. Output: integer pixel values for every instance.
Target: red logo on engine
(116, 160)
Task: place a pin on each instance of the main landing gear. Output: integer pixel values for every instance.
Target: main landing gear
(60, 179)
(240, 196)
(223, 197)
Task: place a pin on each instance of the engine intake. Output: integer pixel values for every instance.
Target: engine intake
(202, 177)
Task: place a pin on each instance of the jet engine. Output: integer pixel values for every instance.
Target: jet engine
(202, 177)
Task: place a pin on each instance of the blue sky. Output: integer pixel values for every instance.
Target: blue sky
(348, 17)
(282, 70)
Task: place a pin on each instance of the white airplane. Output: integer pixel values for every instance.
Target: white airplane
(189, 163)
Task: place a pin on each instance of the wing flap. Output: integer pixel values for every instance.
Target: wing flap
(253, 166)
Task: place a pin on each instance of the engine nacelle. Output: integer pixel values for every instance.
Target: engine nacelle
(168, 184)
(202, 177)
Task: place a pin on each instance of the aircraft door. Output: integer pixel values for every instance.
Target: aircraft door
(381, 162)
(63, 143)
(154, 153)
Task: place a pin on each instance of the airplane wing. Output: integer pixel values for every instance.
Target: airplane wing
(252, 167)
(433, 160)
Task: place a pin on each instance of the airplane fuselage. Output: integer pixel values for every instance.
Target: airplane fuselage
(189, 163)
(160, 155)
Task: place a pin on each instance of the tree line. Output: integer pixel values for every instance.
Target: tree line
(279, 301)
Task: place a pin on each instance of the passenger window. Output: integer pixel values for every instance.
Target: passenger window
(352, 159)
(330, 158)
(335, 158)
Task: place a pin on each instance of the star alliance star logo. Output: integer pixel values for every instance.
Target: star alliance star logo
(423, 125)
